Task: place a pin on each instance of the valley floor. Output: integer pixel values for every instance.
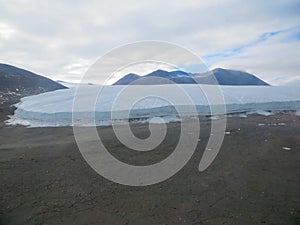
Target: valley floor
(253, 180)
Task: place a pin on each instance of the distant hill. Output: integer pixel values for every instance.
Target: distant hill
(217, 76)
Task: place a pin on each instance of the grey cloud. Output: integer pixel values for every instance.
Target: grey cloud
(51, 36)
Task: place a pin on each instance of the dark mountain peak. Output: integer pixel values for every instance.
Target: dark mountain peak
(230, 71)
(180, 73)
(236, 77)
(161, 72)
(158, 73)
(168, 74)
(127, 79)
(132, 75)
(155, 77)
(219, 70)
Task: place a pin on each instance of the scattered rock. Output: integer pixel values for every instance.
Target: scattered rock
(243, 115)
(281, 124)
(264, 113)
(287, 148)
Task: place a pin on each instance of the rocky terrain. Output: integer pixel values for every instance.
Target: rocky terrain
(16, 83)
(253, 180)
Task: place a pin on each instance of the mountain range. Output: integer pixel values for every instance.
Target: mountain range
(16, 83)
(217, 76)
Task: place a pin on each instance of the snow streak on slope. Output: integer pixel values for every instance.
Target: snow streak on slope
(55, 108)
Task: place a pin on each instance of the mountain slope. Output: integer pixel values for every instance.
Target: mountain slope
(231, 77)
(216, 76)
(15, 79)
(16, 83)
(127, 79)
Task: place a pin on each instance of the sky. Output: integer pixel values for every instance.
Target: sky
(62, 39)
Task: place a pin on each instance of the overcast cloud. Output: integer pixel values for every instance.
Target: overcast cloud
(61, 39)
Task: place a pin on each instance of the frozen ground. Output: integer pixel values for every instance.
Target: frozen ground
(57, 108)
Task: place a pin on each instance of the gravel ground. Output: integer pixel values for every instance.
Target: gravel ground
(253, 180)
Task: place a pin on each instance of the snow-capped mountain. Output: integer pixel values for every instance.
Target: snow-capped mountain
(216, 76)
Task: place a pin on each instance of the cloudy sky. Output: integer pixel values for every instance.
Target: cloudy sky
(61, 39)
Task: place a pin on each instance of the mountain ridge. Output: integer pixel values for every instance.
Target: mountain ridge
(217, 76)
(16, 79)
(16, 83)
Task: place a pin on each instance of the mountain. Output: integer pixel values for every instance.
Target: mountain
(16, 83)
(157, 77)
(231, 77)
(14, 79)
(127, 79)
(217, 76)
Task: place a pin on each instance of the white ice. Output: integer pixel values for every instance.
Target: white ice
(56, 108)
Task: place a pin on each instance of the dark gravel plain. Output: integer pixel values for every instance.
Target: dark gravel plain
(253, 180)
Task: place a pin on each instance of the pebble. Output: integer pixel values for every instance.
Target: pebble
(287, 148)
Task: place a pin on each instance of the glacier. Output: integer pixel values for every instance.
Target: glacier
(99, 105)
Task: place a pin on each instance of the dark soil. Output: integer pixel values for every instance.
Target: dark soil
(253, 180)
